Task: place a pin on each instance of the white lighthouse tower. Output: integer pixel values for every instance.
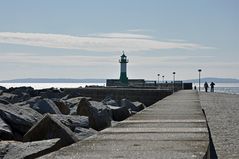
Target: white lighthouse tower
(123, 69)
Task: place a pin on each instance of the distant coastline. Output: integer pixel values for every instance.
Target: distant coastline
(53, 80)
(92, 80)
(215, 80)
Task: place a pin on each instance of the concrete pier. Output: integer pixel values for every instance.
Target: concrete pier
(174, 127)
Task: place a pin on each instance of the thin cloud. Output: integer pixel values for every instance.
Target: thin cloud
(50, 60)
(168, 60)
(124, 35)
(111, 42)
(73, 60)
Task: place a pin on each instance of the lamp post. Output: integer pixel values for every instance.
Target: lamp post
(199, 78)
(174, 81)
(158, 78)
(163, 79)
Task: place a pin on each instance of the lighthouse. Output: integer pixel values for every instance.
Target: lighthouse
(123, 69)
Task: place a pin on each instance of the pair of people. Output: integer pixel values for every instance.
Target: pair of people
(206, 86)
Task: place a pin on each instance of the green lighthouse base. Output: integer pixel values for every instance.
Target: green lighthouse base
(123, 78)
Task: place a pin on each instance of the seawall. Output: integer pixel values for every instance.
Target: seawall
(146, 96)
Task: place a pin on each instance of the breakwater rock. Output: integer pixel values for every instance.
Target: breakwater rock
(37, 122)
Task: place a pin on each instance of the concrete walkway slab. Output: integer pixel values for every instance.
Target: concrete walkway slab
(174, 127)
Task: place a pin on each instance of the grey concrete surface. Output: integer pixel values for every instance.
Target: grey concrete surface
(222, 112)
(146, 96)
(174, 127)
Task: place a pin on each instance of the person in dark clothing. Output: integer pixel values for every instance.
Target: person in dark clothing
(205, 86)
(212, 86)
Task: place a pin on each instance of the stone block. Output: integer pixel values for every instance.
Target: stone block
(49, 128)
(21, 119)
(28, 150)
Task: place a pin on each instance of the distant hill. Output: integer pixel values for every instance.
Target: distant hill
(215, 80)
(52, 80)
(90, 80)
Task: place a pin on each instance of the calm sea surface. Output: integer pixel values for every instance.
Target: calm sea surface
(232, 88)
(50, 85)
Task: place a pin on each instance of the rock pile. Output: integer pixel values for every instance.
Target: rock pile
(36, 122)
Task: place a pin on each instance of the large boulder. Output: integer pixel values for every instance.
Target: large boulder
(46, 106)
(126, 109)
(127, 103)
(72, 121)
(21, 91)
(5, 131)
(71, 95)
(42, 105)
(99, 116)
(62, 106)
(72, 102)
(29, 150)
(73, 110)
(78, 124)
(110, 101)
(3, 88)
(11, 98)
(119, 113)
(51, 93)
(49, 128)
(139, 106)
(3, 101)
(20, 119)
(29, 102)
(17, 94)
(83, 107)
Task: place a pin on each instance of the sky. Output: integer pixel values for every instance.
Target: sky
(85, 38)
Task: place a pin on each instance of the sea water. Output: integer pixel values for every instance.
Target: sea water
(231, 88)
(50, 85)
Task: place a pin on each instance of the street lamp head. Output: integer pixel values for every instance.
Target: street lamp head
(199, 71)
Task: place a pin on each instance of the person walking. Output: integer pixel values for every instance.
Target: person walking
(205, 86)
(212, 86)
(195, 87)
